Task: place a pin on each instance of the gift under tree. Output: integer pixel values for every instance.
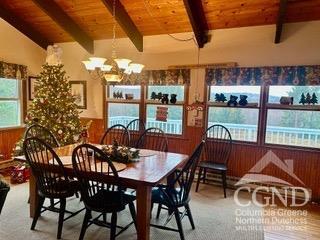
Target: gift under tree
(53, 105)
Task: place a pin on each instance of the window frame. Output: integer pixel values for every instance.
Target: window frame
(21, 103)
(178, 103)
(143, 102)
(263, 107)
(108, 99)
(211, 104)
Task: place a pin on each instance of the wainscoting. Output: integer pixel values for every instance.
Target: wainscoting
(306, 163)
(8, 139)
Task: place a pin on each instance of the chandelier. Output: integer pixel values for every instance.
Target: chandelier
(115, 69)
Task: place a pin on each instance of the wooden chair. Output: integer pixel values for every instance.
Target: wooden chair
(136, 127)
(43, 133)
(154, 139)
(51, 178)
(4, 189)
(97, 195)
(175, 195)
(216, 154)
(117, 133)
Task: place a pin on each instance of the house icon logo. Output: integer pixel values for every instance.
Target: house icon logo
(255, 176)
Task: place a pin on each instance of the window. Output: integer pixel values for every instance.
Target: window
(297, 124)
(174, 121)
(10, 105)
(242, 122)
(120, 109)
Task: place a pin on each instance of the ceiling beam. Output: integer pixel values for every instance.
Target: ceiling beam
(198, 21)
(25, 28)
(53, 10)
(280, 20)
(126, 23)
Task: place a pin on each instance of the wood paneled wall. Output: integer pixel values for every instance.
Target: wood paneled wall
(8, 139)
(306, 164)
(243, 157)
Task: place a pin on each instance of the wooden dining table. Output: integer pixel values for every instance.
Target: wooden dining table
(152, 168)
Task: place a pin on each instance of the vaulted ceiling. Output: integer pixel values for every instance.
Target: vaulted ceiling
(47, 21)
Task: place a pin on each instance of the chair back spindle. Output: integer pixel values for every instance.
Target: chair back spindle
(179, 188)
(218, 144)
(154, 139)
(136, 127)
(91, 166)
(117, 133)
(46, 166)
(43, 133)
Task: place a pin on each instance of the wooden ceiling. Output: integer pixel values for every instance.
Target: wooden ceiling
(150, 17)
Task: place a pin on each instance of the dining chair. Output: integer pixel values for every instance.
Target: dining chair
(217, 151)
(154, 139)
(175, 195)
(51, 178)
(4, 189)
(92, 166)
(43, 133)
(136, 127)
(117, 133)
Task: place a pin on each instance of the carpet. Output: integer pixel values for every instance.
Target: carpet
(214, 216)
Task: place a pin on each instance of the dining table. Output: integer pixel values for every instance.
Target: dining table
(149, 170)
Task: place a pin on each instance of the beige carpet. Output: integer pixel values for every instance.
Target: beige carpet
(214, 218)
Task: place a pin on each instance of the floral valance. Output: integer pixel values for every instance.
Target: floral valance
(13, 71)
(159, 77)
(288, 75)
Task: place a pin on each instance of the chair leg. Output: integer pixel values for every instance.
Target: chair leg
(133, 214)
(199, 178)
(51, 203)
(159, 210)
(190, 216)
(113, 226)
(85, 224)
(204, 175)
(37, 213)
(104, 217)
(224, 182)
(179, 224)
(61, 216)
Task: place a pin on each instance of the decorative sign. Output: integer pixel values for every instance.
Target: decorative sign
(162, 114)
(195, 118)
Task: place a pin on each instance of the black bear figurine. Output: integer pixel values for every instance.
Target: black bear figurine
(243, 100)
(173, 98)
(159, 96)
(233, 101)
(153, 96)
(165, 98)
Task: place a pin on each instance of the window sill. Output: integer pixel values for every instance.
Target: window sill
(11, 128)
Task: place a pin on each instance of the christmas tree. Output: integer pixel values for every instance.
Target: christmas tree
(314, 99)
(302, 99)
(308, 98)
(54, 106)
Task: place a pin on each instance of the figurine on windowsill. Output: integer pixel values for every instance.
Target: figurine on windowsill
(173, 98)
(314, 99)
(243, 100)
(233, 101)
(165, 99)
(220, 97)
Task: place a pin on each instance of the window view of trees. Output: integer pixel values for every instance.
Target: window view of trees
(9, 103)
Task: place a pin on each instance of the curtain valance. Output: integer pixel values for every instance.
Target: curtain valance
(159, 77)
(287, 75)
(13, 71)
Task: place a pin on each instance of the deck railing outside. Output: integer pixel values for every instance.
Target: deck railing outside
(245, 132)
